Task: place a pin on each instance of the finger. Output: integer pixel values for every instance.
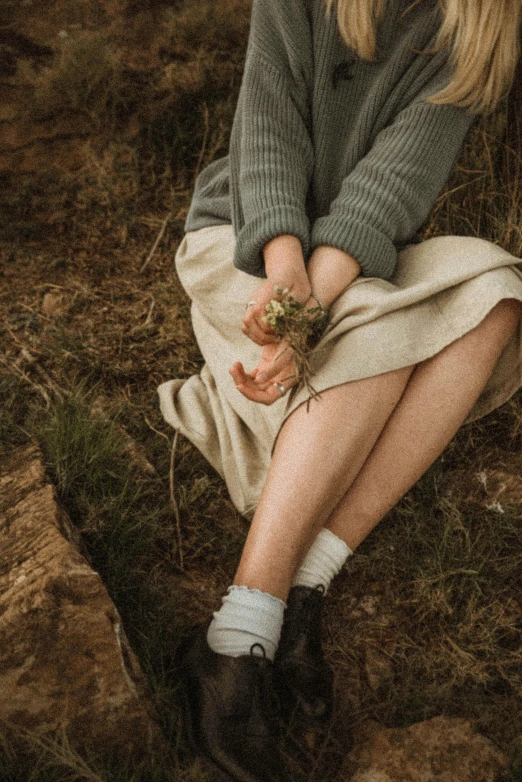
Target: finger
(244, 379)
(282, 362)
(254, 320)
(261, 322)
(253, 332)
(238, 373)
(247, 385)
(285, 379)
(257, 314)
(251, 391)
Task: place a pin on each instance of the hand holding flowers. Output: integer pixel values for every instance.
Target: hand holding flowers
(295, 328)
(287, 319)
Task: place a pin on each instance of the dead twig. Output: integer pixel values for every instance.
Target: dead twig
(149, 314)
(173, 499)
(13, 369)
(53, 387)
(156, 243)
(18, 342)
(156, 431)
(205, 141)
(60, 393)
(33, 311)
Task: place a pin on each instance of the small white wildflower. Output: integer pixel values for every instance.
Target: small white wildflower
(281, 291)
(482, 478)
(277, 308)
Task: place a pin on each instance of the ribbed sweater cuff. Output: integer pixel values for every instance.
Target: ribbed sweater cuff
(257, 232)
(371, 248)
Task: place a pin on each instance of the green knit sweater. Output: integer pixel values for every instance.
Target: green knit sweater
(330, 148)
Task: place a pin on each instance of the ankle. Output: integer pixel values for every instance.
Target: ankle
(246, 619)
(324, 560)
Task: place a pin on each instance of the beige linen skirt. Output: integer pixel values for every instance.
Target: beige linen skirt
(442, 289)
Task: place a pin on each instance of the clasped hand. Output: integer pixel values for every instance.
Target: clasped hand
(276, 371)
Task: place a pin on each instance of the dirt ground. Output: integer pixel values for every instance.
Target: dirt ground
(427, 618)
(412, 629)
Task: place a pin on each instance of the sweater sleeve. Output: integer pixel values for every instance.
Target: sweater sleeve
(389, 193)
(271, 149)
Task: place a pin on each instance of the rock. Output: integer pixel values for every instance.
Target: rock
(65, 662)
(443, 749)
(53, 303)
(369, 604)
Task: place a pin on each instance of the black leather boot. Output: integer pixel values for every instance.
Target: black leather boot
(304, 681)
(231, 712)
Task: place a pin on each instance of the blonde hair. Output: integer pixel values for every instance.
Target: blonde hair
(483, 37)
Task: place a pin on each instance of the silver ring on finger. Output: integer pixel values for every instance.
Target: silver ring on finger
(280, 387)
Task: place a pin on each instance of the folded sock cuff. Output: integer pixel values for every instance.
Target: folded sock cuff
(324, 560)
(247, 617)
(251, 610)
(333, 546)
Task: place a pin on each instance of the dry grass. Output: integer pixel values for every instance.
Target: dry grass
(147, 102)
(427, 618)
(484, 195)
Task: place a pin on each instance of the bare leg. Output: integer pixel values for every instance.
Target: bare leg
(317, 456)
(320, 454)
(439, 396)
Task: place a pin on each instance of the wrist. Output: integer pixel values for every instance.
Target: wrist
(285, 265)
(331, 271)
(283, 255)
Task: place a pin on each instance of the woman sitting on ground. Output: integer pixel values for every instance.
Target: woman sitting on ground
(349, 120)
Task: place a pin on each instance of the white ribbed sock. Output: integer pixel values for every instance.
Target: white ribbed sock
(246, 617)
(325, 558)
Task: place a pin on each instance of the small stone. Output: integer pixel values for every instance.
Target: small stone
(53, 304)
(369, 604)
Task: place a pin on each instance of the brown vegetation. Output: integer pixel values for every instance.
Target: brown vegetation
(116, 118)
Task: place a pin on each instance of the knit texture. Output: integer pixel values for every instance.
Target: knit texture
(330, 148)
